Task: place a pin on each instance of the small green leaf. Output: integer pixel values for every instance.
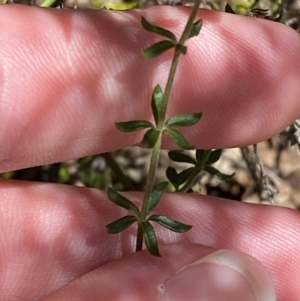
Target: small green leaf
(171, 174)
(158, 48)
(183, 176)
(150, 238)
(121, 201)
(195, 30)
(228, 9)
(151, 137)
(181, 48)
(157, 101)
(178, 138)
(158, 30)
(178, 179)
(156, 194)
(120, 224)
(214, 157)
(132, 126)
(216, 173)
(170, 223)
(184, 119)
(180, 157)
(199, 154)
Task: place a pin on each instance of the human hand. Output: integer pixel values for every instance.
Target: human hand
(66, 77)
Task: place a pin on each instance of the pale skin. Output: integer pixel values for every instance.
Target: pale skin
(64, 82)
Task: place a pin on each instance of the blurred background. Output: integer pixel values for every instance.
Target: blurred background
(268, 174)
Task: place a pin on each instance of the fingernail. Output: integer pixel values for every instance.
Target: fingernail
(221, 276)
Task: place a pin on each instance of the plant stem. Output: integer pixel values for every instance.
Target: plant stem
(118, 172)
(162, 116)
(186, 31)
(177, 53)
(151, 177)
(148, 190)
(160, 125)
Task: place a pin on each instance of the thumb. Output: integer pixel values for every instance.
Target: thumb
(184, 272)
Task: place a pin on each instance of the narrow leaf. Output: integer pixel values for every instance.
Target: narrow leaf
(214, 157)
(158, 30)
(150, 239)
(195, 30)
(157, 101)
(158, 48)
(184, 119)
(156, 194)
(228, 9)
(132, 126)
(121, 201)
(170, 223)
(171, 174)
(199, 154)
(183, 176)
(120, 224)
(179, 139)
(178, 179)
(216, 173)
(180, 157)
(151, 137)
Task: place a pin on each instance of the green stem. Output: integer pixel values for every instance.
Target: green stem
(187, 30)
(177, 53)
(162, 115)
(160, 124)
(118, 172)
(190, 182)
(148, 190)
(151, 177)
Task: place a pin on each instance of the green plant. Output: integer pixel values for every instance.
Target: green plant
(203, 159)
(153, 139)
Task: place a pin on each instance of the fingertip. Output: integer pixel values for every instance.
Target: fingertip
(184, 272)
(223, 274)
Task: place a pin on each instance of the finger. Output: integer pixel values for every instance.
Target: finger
(185, 272)
(54, 233)
(66, 77)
